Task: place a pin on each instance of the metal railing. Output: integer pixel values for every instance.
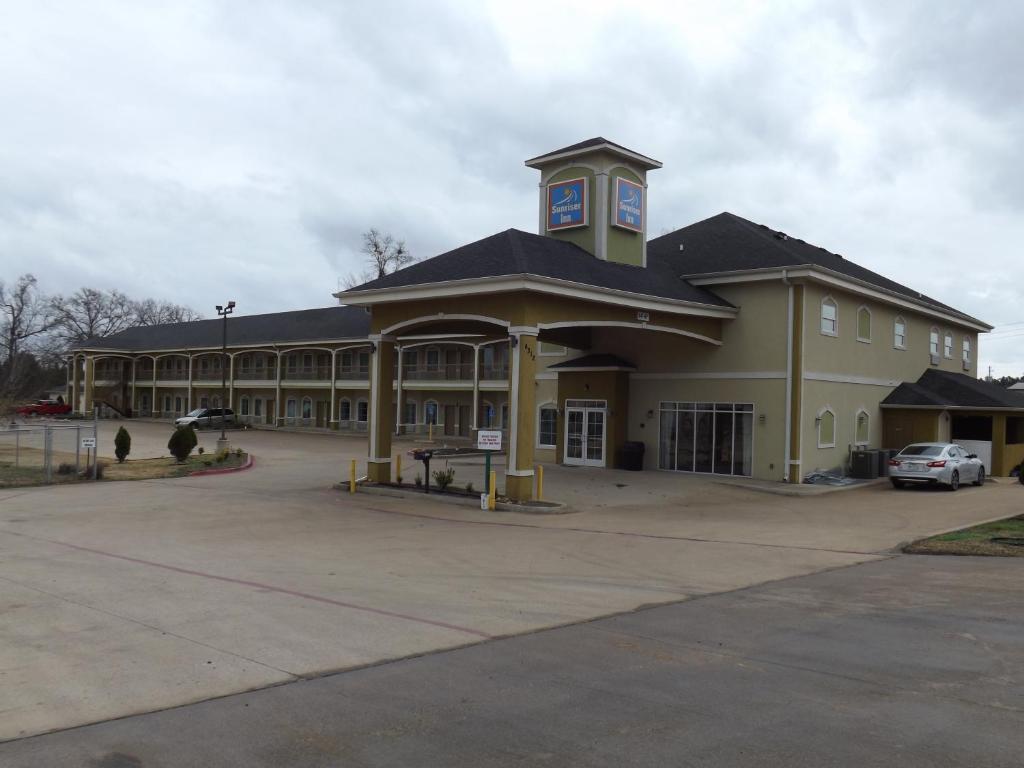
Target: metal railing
(354, 374)
(257, 374)
(445, 372)
(170, 374)
(307, 373)
(494, 372)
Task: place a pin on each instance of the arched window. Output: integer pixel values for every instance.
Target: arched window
(430, 412)
(829, 316)
(862, 428)
(547, 425)
(345, 409)
(362, 411)
(899, 333)
(826, 428)
(864, 325)
(947, 345)
(933, 342)
(307, 408)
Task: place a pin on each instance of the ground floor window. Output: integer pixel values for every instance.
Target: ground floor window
(345, 410)
(243, 406)
(257, 407)
(548, 427)
(361, 411)
(204, 402)
(715, 438)
(307, 408)
(167, 403)
(410, 413)
(178, 403)
(486, 415)
(430, 412)
(504, 416)
(289, 408)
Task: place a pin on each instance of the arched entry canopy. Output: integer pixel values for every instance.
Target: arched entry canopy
(524, 319)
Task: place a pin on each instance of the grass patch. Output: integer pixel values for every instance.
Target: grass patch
(976, 540)
(134, 469)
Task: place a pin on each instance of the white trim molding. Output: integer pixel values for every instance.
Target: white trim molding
(843, 378)
(686, 375)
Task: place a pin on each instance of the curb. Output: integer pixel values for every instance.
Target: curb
(557, 508)
(224, 470)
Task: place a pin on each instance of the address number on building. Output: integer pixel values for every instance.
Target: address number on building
(88, 442)
(488, 440)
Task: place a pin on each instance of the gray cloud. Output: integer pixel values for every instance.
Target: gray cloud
(190, 150)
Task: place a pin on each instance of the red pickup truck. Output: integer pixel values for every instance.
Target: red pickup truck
(44, 408)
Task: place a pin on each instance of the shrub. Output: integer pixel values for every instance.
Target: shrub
(444, 477)
(221, 456)
(66, 469)
(182, 441)
(201, 450)
(418, 481)
(238, 452)
(122, 444)
(469, 488)
(86, 473)
(207, 463)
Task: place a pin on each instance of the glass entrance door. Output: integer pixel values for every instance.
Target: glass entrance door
(585, 432)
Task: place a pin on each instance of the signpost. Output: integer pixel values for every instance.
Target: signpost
(488, 441)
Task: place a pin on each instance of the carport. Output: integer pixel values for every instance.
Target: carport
(984, 417)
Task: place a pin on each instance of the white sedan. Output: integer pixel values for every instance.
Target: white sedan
(946, 464)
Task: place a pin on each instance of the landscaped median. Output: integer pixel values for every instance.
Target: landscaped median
(131, 469)
(1002, 538)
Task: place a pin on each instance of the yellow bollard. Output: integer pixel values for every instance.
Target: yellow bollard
(352, 477)
(492, 490)
(540, 482)
(398, 467)
(430, 432)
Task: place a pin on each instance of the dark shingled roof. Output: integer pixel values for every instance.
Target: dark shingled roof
(944, 389)
(600, 360)
(597, 141)
(516, 253)
(729, 243)
(280, 327)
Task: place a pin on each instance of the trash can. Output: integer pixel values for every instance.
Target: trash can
(864, 465)
(633, 456)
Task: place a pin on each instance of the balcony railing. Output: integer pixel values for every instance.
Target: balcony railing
(172, 375)
(145, 374)
(256, 374)
(307, 373)
(354, 374)
(447, 372)
(494, 372)
(208, 375)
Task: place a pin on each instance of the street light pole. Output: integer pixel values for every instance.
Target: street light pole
(224, 311)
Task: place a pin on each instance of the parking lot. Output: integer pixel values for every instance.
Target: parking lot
(121, 598)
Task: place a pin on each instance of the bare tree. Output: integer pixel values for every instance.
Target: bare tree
(24, 317)
(89, 313)
(384, 255)
(153, 312)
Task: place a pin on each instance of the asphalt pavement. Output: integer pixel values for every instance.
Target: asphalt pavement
(910, 661)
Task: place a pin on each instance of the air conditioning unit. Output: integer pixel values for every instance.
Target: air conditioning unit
(934, 359)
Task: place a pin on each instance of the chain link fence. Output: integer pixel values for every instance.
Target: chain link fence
(47, 452)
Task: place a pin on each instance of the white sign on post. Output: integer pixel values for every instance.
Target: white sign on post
(488, 440)
(88, 442)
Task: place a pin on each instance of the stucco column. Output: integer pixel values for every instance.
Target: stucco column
(90, 368)
(278, 405)
(134, 405)
(189, 384)
(76, 398)
(521, 405)
(473, 421)
(382, 408)
(398, 393)
(152, 400)
(334, 389)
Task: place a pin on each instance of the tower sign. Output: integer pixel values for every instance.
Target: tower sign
(567, 204)
(629, 205)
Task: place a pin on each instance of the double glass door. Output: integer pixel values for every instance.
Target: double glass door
(585, 432)
(715, 438)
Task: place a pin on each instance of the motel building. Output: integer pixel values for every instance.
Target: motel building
(725, 347)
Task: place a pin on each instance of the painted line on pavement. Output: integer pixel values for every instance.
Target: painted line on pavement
(261, 586)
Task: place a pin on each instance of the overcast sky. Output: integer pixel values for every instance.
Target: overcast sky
(201, 151)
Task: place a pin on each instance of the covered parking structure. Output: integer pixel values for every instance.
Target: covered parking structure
(942, 406)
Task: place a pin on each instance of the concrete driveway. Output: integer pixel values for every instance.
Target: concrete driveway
(121, 598)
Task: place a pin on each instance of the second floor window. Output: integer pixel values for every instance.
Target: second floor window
(967, 350)
(899, 333)
(933, 342)
(829, 317)
(947, 346)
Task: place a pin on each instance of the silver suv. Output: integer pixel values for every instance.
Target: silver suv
(207, 417)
